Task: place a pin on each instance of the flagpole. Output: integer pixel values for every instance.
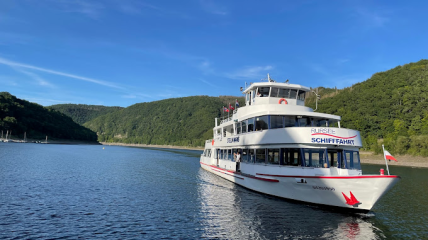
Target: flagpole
(386, 162)
(223, 113)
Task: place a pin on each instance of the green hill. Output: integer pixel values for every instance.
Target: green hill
(21, 116)
(82, 113)
(390, 108)
(184, 121)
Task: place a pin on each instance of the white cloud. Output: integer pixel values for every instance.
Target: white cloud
(372, 18)
(40, 81)
(92, 10)
(86, 79)
(213, 8)
(250, 72)
(208, 83)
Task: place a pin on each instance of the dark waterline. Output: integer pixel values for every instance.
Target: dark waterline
(83, 191)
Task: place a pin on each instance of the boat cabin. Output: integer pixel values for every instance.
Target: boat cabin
(275, 93)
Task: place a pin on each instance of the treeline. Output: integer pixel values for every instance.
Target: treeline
(186, 121)
(390, 108)
(82, 113)
(20, 116)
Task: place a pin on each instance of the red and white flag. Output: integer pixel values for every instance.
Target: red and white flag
(389, 156)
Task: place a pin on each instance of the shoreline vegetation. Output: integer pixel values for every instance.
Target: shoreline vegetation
(365, 156)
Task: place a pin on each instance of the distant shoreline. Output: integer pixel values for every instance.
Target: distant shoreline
(403, 160)
(365, 157)
(152, 146)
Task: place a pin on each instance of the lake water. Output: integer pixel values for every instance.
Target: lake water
(85, 191)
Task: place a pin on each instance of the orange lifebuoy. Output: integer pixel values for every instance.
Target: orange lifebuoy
(282, 100)
(212, 143)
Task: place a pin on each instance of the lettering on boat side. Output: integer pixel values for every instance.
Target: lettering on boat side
(324, 188)
(330, 137)
(333, 141)
(323, 130)
(232, 140)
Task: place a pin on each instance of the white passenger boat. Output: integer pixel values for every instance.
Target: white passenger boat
(290, 151)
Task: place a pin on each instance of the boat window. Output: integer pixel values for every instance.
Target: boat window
(315, 158)
(205, 153)
(260, 155)
(220, 154)
(293, 93)
(333, 123)
(238, 127)
(352, 160)
(244, 126)
(250, 124)
(209, 152)
(320, 123)
(289, 121)
(264, 91)
(273, 156)
(276, 122)
(274, 92)
(301, 96)
(304, 122)
(356, 160)
(218, 132)
(284, 93)
(229, 154)
(262, 123)
(244, 155)
(291, 156)
(251, 155)
(336, 158)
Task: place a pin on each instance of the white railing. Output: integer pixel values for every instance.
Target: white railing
(226, 120)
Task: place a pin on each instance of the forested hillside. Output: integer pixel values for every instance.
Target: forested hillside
(184, 121)
(21, 116)
(391, 108)
(82, 113)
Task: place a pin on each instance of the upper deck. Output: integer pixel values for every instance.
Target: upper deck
(282, 99)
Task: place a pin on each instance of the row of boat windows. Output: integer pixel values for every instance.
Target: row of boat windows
(275, 121)
(305, 157)
(280, 93)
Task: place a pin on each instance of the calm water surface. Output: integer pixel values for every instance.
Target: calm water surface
(82, 191)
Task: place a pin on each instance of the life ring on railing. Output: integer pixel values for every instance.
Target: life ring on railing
(282, 100)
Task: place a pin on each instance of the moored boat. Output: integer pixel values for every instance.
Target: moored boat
(278, 146)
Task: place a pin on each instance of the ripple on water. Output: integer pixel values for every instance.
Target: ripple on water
(60, 191)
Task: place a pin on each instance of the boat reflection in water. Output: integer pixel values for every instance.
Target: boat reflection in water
(229, 211)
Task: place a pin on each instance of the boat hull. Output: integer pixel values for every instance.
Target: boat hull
(353, 193)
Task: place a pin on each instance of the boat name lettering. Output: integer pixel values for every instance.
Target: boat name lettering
(232, 140)
(323, 130)
(333, 141)
(324, 188)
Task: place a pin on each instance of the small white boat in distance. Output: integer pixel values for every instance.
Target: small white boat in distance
(289, 151)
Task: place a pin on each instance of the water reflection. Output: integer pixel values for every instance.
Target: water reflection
(230, 211)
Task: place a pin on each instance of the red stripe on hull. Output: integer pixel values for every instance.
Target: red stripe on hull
(332, 177)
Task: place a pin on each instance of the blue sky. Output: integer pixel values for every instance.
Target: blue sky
(122, 52)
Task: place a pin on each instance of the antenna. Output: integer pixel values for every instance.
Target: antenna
(318, 97)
